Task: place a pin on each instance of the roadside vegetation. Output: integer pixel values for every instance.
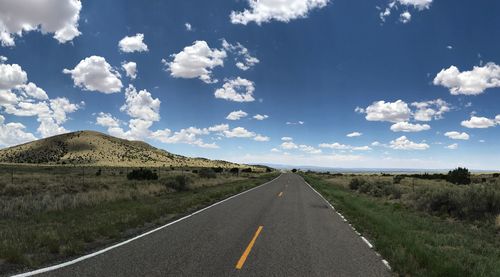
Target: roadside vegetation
(423, 224)
(50, 213)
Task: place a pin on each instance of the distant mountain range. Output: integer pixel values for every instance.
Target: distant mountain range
(98, 149)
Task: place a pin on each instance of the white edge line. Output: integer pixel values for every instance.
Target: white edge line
(82, 258)
(386, 263)
(367, 242)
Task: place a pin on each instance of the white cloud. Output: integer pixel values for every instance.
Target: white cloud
(133, 44)
(236, 115)
(403, 143)
(405, 17)
(11, 75)
(219, 128)
(241, 52)
(452, 146)
(295, 123)
(239, 132)
(388, 111)
(472, 82)
(187, 136)
(31, 90)
(478, 122)
(196, 61)
(107, 120)
(275, 150)
(428, 110)
(335, 145)
(47, 16)
(266, 10)
(361, 148)
(260, 116)
(457, 135)
(309, 149)
(188, 26)
(261, 138)
(354, 134)
(13, 133)
(140, 104)
(409, 127)
(286, 139)
(288, 145)
(95, 74)
(130, 69)
(238, 90)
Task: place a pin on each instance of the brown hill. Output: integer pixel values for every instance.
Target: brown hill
(98, 149)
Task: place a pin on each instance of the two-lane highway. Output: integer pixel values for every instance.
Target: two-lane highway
(282, 228)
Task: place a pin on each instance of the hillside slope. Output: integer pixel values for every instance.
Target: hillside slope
(94, 148)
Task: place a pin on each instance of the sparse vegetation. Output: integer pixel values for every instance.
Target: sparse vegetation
(52, 212)
(207, 173)
(434, 227)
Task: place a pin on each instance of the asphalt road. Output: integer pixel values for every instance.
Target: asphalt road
(282, 228)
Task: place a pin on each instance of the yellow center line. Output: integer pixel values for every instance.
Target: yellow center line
(243, 258)
(280, 194)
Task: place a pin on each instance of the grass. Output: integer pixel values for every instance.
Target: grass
(414, 242)
(46, 220)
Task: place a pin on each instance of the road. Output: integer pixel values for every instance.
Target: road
(282, 228)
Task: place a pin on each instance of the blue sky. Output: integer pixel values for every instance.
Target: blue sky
(314, 70)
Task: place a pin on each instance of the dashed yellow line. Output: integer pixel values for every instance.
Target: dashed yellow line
(243, 258)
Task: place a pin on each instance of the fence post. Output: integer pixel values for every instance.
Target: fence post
(12, 176)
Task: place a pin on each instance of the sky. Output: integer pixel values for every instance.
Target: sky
(339, 83)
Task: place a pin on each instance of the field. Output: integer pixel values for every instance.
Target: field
(50, 213)
(423, 227)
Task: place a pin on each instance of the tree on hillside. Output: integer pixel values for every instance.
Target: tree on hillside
(294, 170)
(459, 176)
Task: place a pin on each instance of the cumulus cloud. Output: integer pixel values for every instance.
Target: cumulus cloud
(354, 134)
(95, 74)
(140, 104)
(261, 138)
(47, 16)
(196, 61)
(286, 139)
(479, 122)
(472, 82)
(236, 115)
(309, 149)
(130, 69)
(428, 110)
(13, 133)
(260, 116)
(244, 60)
(266, 10)
(107, 120)
(409, 127)
(133, 44)
(288, 145)
(457, 135)
(187, 136)
(239, 132)
(22, 98)
(335, 145)
(388, 111)
(405, 17)
(238, 90)
(403, 143)
(188, 26)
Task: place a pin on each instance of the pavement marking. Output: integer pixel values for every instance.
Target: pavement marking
(386, 263)
(367, 242)
(280, 194)
(88, 256)
(243, 258)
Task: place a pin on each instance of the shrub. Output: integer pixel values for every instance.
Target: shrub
(234, 170)
(98, 173)
(142, 174)
(459, 176)
(496, 175)
(218, 169)
(294, 170)
(497, 222)
(268, 169)
(207, 173)
(247, 170)
(356, 183)
(179, 183)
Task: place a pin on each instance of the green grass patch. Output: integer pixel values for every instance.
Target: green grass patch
(44, 237)
(416, 243)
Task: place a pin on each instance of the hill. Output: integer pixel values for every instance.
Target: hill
(97, 149)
